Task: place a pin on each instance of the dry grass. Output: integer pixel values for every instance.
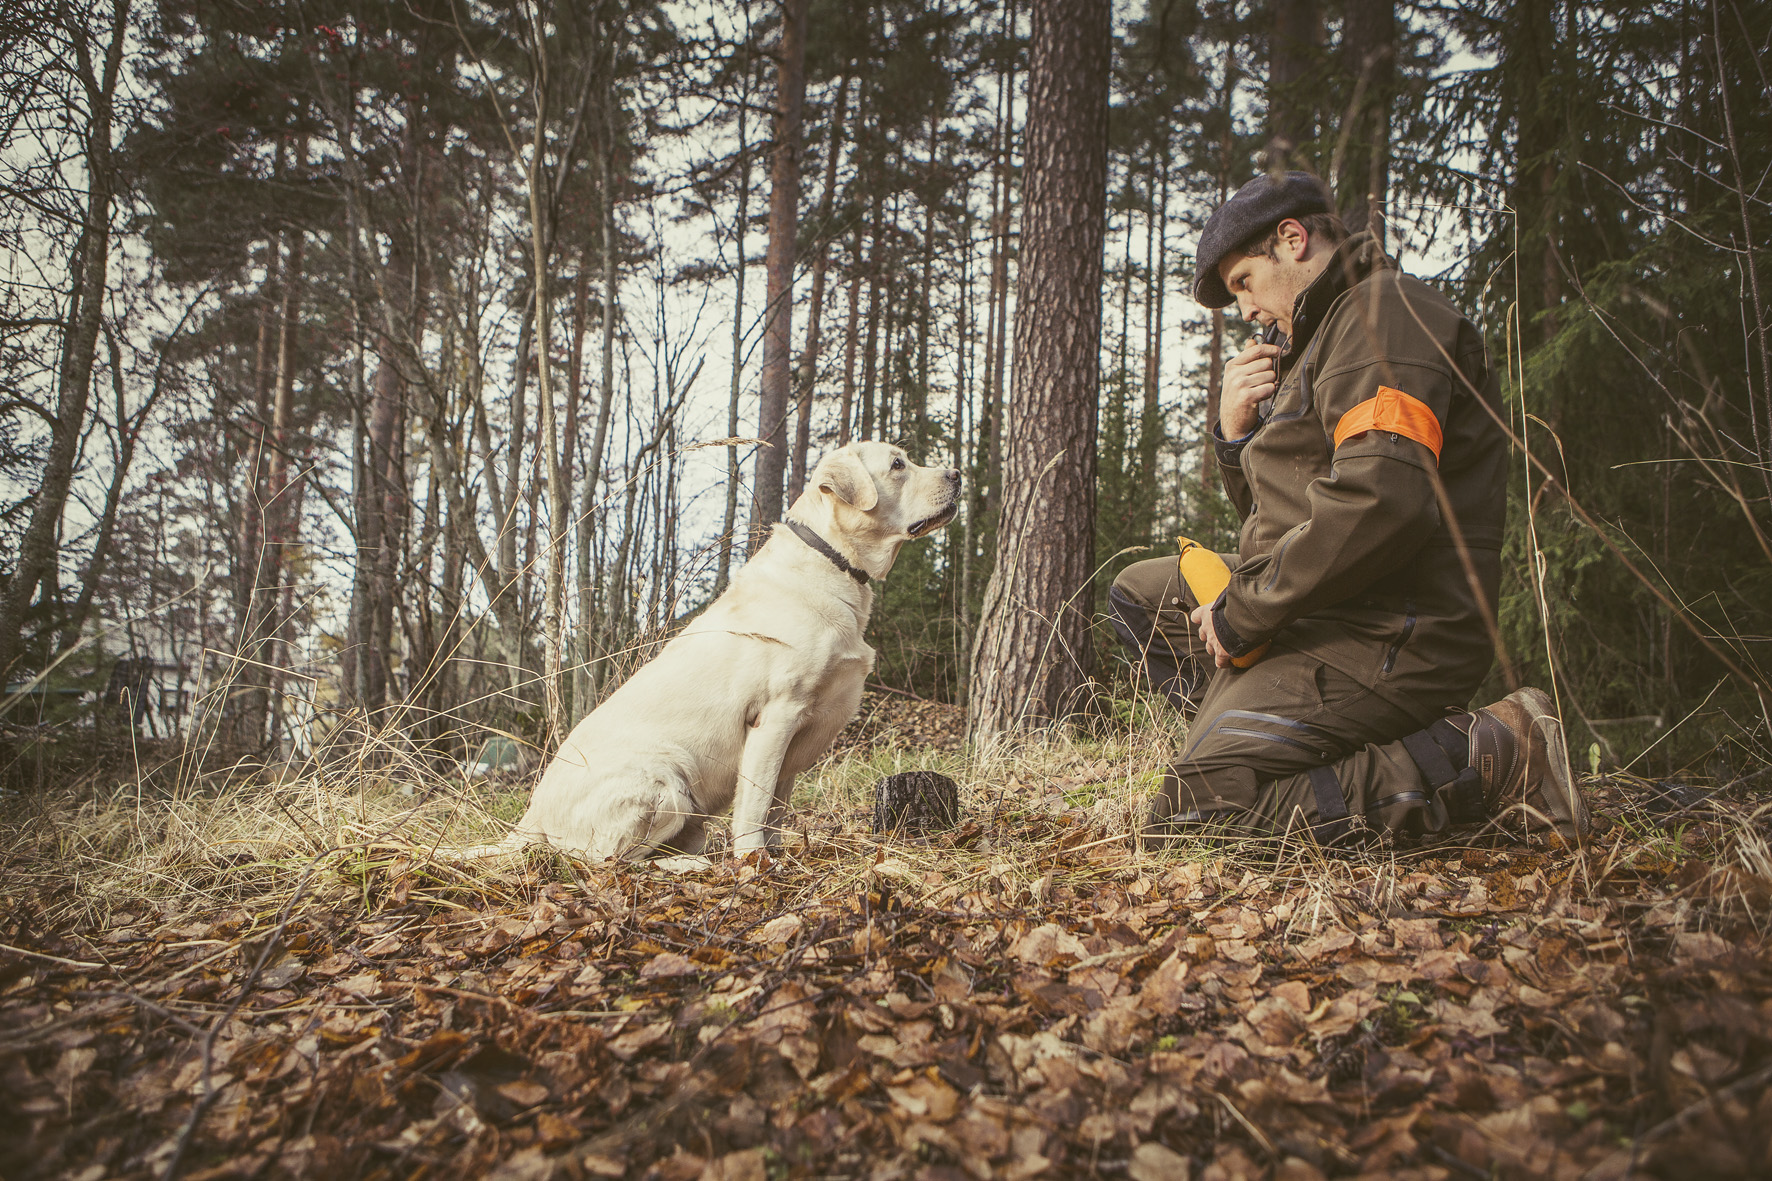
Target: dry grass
(180, 835)
(182, 838)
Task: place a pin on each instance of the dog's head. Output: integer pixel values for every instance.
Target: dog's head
(869, 498)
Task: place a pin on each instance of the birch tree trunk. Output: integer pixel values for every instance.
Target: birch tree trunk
(554, 589)
(88, 271)
(723, 574)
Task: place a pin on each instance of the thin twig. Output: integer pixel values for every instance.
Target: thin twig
(54, 959)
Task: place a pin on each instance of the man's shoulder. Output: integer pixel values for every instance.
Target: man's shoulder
(1398, 301)
(1394, 283)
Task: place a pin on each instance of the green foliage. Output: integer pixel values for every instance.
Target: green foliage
(916, 629)
(1614, 284)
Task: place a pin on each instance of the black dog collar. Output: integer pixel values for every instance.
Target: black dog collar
(827, 549)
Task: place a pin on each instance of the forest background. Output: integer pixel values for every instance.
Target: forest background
(410, 368)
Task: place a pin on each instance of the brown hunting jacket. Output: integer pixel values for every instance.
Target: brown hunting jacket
(1373, 490)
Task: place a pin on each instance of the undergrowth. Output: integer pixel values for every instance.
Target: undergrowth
(248, 971)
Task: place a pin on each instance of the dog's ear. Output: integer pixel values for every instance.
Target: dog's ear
(844, 476)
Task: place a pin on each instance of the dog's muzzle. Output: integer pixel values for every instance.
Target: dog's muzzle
(931, 524)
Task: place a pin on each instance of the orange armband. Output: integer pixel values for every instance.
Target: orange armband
(1396, 412)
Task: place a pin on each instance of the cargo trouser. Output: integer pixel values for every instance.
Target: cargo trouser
(1288, 745)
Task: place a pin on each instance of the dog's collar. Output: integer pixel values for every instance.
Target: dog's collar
(827, 549)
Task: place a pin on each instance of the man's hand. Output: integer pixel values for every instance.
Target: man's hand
(1202, 618)
(1249, 378)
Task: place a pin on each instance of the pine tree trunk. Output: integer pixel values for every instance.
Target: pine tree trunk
(917, 431)
(870, 347)
(1296, 32)
(1214, 395)
(1033, 655)
(987, 487)
(354, 659)
(1215, 345)
(778, 310)
(247, 714)
(573, 676)
(1002, 201)
(850, 329)
(377, 533)
(1150, 417)
(282, 521)
(1533, 193)
(588, 667)
(513, 455)
(1361, 168)
(389, 477)
(815, 308)
(964, 413)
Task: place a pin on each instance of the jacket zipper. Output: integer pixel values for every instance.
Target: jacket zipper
(1390, 657)
(1274, 565)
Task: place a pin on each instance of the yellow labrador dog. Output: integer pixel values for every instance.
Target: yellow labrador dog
(755, 688)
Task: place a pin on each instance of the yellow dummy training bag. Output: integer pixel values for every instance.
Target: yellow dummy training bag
(1206, 575)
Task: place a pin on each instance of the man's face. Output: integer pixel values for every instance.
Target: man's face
(1266, 288)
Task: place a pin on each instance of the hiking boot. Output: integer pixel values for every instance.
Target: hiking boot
(1160, 823)
(1169, 822)
(1517, 747)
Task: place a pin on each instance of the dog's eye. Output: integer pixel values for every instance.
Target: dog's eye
(898, 463)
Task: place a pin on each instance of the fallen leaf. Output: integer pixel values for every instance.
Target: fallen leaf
(1158, 1162)
(780, 929)
(1044, 944)
(667, 964)
(524, 1093)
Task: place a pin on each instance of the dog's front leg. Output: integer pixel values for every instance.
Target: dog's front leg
(778, 807)
(759, 769)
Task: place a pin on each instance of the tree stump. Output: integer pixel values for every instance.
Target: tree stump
(916, 801)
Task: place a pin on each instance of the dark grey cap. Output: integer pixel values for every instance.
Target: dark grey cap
(1259, 205)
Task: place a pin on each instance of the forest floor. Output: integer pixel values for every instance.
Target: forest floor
(204, 977)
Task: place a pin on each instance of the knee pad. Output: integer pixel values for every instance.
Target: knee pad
(1132, 622)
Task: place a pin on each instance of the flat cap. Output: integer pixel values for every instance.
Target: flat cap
(1262, 203)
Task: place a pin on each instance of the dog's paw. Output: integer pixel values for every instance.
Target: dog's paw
(683, 864)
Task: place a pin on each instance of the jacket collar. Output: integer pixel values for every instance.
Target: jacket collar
(1356, 259)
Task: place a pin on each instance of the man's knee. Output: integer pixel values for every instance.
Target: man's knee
(1133, 621)
(1148, 601)
(1153, 585)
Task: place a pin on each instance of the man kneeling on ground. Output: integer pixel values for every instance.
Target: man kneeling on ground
(1367, 463)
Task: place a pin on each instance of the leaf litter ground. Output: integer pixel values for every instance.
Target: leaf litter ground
(251, 981)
